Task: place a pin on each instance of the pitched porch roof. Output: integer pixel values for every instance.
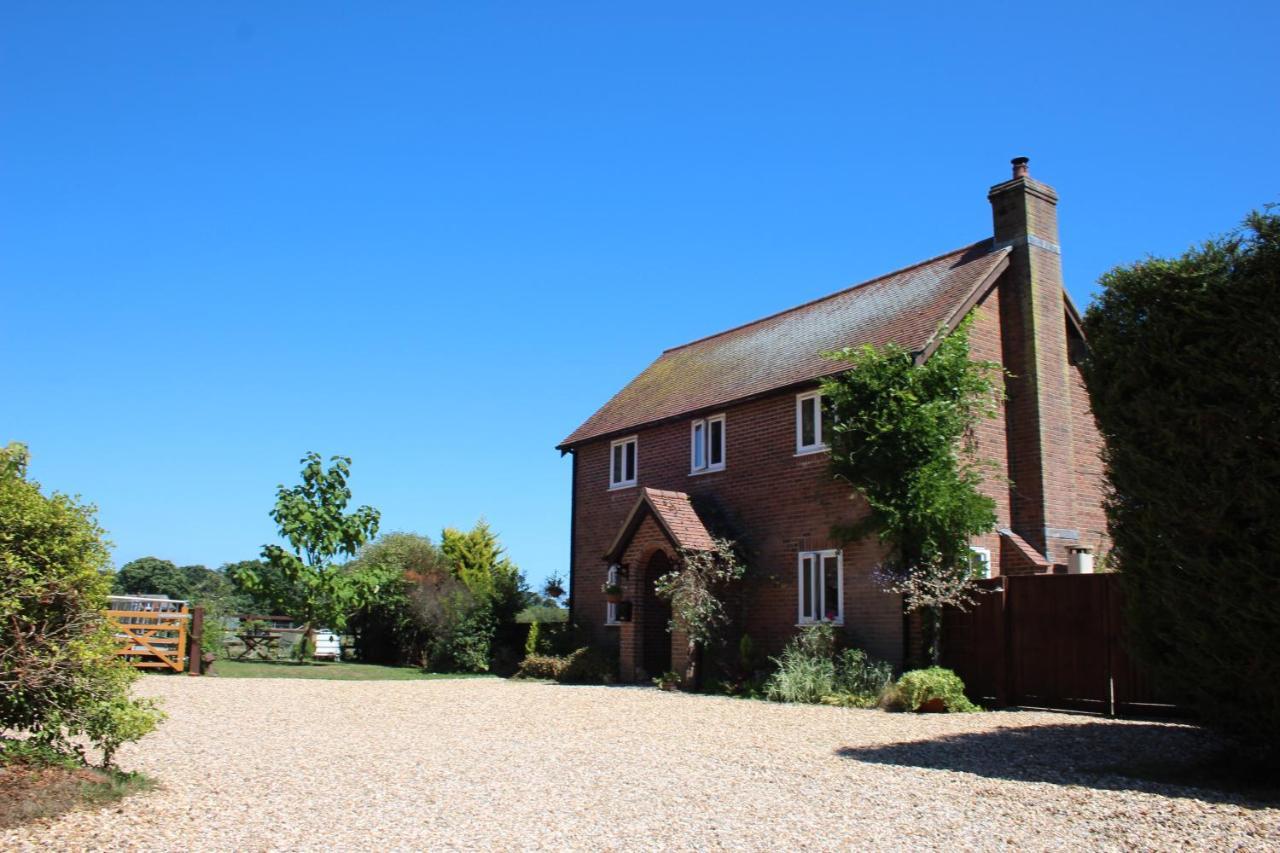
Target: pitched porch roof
(674, 514)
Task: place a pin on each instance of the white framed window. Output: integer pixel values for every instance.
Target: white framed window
(706, 440)
(980, 562)
(622, 463)
(821, 598)
(809, 426)
(611, 608)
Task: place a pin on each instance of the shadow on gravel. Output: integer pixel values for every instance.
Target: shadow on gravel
(1174, 761)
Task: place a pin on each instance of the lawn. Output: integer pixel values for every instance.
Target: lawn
(326, 670)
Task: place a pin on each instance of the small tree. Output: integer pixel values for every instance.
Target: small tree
(694, 588)
(312, 518)
(60, 676)
(901, 434)
(1183, 372)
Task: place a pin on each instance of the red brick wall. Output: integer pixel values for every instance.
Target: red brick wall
(1090, 480)
(774, 502)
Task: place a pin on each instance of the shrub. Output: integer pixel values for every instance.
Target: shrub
(1183, 372)
(531, 640)
(810, 670)
(919, 686)
(587, 666)
(541, 666)
(801, 679)
(61, 676)
(858, 674)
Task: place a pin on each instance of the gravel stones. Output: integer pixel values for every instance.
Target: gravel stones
(268, 764)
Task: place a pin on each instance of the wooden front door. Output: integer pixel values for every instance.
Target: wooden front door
(655, 615)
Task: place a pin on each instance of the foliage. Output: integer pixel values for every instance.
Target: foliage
(902, 437)
(152, 576)
(581, 666)
(554, 587)
(922, 685)
(667, 680)
(37, 781)
(858, 674)
(588, 666)
(312, 517)
(405, 574)
(463, 637)
(531, 640)
(327, 671)
(543, 614)
(811, 670)
(480, 562)
(1183, 371)
(60, 675)
(695, 588)
(541, 666)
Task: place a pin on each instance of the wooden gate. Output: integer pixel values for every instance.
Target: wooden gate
(152, 639)
(1049, 641)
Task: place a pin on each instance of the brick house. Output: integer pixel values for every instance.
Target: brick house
(724, 435)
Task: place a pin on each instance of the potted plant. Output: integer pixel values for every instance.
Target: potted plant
(554, 587)
(612, 593)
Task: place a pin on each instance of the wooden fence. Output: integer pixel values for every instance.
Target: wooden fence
(1049, 641)
(156, 633)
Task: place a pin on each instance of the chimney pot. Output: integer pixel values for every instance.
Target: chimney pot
(1020, 169)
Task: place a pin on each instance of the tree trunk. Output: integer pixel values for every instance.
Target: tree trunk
(932, 619)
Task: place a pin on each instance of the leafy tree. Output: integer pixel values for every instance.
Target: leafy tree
(59, 675)
(480, 562)
(153, 576)
(902, 437)
(695, 587)
(1184, 375)
(406, 574)
(312, 517)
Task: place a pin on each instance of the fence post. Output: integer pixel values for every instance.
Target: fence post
(195, 653)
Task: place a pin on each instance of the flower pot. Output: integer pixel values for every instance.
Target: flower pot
(932, 706)
(613, 597)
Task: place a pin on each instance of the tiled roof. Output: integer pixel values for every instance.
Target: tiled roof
(785, 349)
(674, 513)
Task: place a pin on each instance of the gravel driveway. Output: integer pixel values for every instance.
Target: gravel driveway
(275, 764)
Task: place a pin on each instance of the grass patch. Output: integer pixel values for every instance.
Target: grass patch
(327, 670)
(29, 792)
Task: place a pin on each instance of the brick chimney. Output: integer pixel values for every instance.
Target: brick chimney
(1033, 317)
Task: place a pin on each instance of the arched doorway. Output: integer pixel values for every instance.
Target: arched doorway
(655, 642)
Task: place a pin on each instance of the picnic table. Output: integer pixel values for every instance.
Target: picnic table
(260, 642)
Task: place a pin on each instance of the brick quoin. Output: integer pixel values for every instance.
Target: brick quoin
(1047, 480)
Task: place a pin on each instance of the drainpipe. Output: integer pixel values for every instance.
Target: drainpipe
(573, 531)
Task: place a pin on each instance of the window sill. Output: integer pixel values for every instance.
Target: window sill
(719, 470)
(813, 451)
(834, 623)
(614, 624)
(620, 486)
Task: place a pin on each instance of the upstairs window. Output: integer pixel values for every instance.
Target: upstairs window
(622, 463)
(821, 587)
(809, 423)
(707, 451)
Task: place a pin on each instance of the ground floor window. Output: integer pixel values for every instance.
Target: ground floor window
(980, 562)
(821, 587)
(611, 608)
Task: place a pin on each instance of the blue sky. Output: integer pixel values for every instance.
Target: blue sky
(435, 237)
